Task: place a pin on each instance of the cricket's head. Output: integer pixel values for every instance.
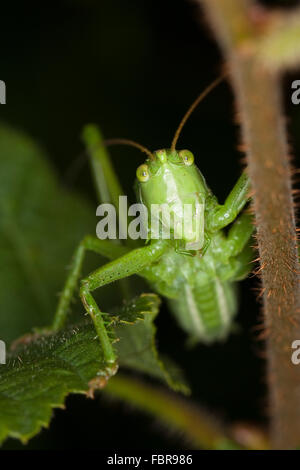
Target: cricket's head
(173, 190)
(171, 186)
(170, 179)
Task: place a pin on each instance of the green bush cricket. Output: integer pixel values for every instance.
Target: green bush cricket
(198, 278)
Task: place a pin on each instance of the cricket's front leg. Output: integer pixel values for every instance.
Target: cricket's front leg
(225, 214)
(131, 263)
(125, 264)
(105, 248)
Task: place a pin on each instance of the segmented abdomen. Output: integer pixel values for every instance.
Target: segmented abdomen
(205, 311)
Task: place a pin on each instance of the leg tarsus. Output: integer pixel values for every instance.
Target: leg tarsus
(97, 317)
(99, 382)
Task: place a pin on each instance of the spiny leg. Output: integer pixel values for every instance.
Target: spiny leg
(108, 188)
(128, 264)
(102, 247)
(236, 200)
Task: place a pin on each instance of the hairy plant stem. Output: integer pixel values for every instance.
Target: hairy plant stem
(258, 103)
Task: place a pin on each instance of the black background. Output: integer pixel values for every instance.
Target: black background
(134, 67)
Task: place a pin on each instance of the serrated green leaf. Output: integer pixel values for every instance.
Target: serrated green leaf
(40, 226)
(39, 375)
(137, 350)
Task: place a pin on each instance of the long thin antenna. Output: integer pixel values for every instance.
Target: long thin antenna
(193, 106)
(132, 143)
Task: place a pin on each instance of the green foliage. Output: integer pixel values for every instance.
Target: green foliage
(141, 338)
(40, 374)
(40, 225)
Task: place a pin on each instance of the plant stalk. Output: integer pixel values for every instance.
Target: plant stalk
(198, 428)
(258, 101)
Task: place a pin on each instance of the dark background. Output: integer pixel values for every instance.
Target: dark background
(134, 67)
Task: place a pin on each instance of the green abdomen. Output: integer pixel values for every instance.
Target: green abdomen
(206, 311)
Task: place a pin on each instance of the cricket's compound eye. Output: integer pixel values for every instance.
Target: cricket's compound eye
(187, 157)
(142, 173)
